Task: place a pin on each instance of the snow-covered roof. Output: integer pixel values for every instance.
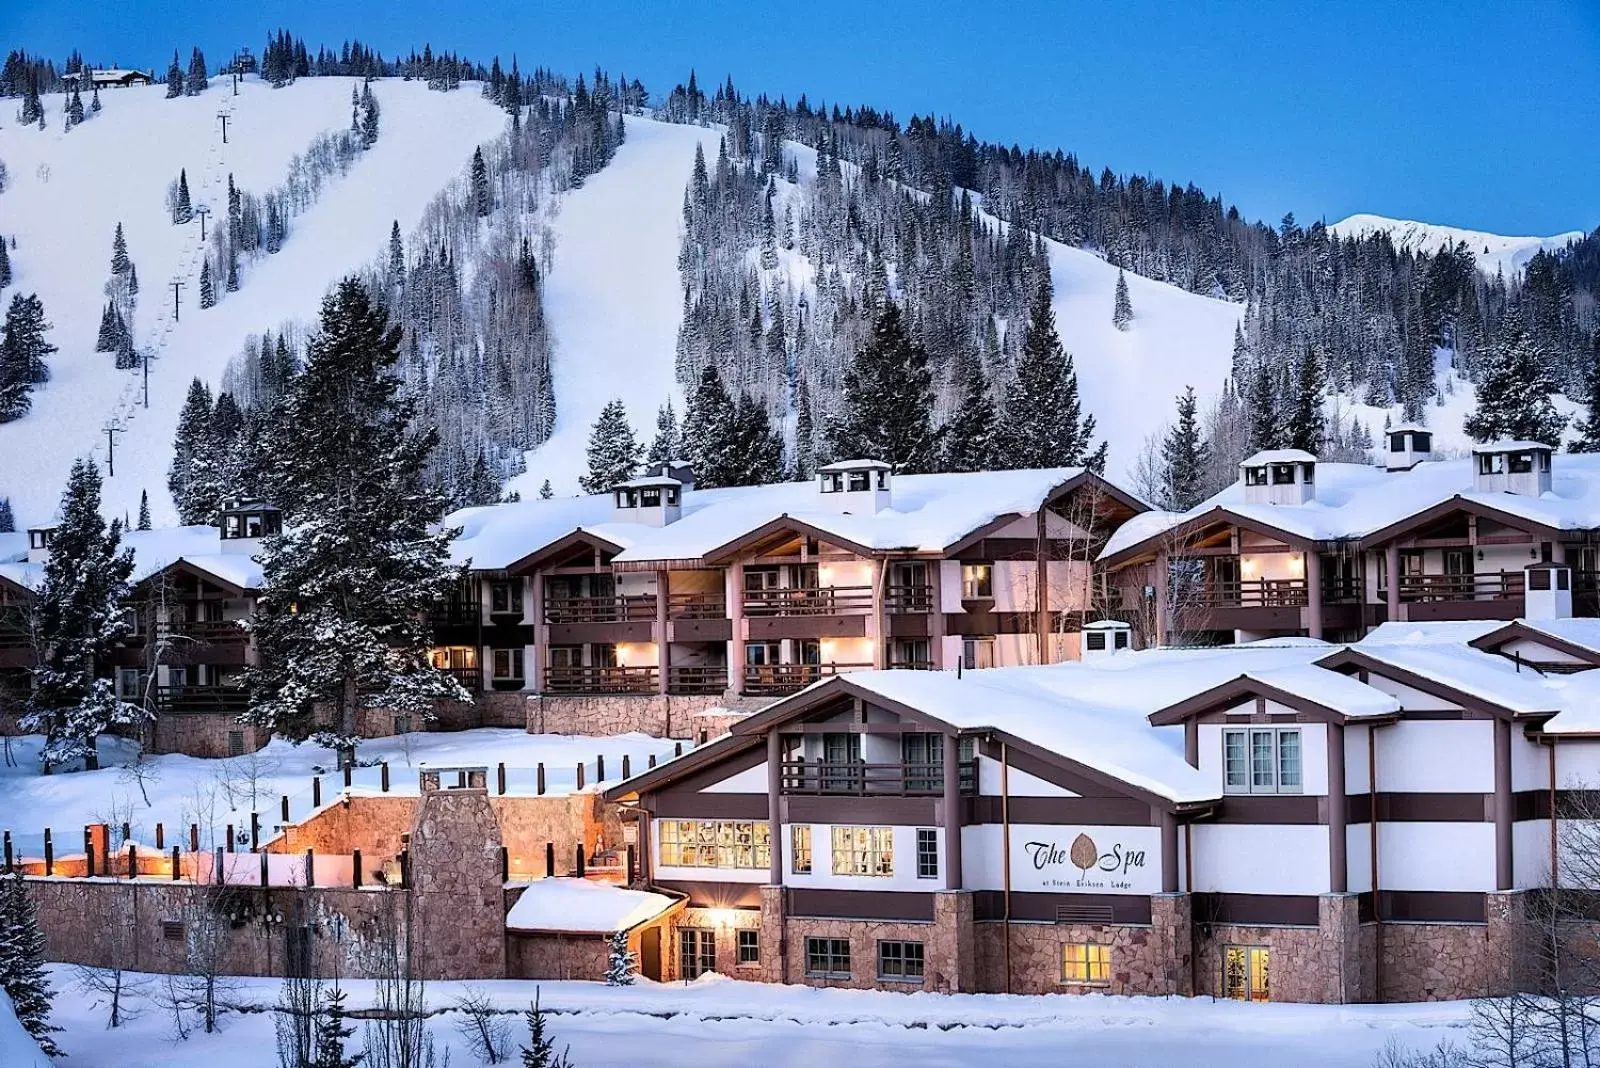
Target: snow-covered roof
(1356, 500)
(1278, 456)
(1329, 689)
(1482, 675)
(1108, 624)
(1403, 428)
(581, 906)
(154, 551)
(1452, 632)
(648, 481)
(1584, 633)
(926, 513)
(1510, 446)
(856, 465)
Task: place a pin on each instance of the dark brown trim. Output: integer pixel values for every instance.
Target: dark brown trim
(1458, 503)
(1197, 523)
(677, 804)
(715, 895)
(1421, 906)
(802, 808)
(861, 904)
(1225, 695)
(541, 555)
(1267, 910)
(1516, 630)
(182, 564)
(1091, 811)
(1065, 489)
(1271, 809)
(785, 523)
(1031, 906)
(675, 770)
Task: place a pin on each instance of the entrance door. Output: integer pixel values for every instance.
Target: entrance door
(697, 952)
(1246, 973)
(650, 953)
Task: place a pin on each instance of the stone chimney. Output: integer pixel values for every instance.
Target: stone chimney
(457, 891)
(1520, 467)
(1279, 476)
(1409, 444)
(855, 487)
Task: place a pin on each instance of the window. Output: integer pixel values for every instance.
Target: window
(1521, 463)
(1422, 442)
(800, 848)
(749, 947)
(505, 598)
(236, 743)
(977, 653)
(863, 851)
(900, 962)
(927, 853)
(1246, 973)
(1261, 760)
(508, 663)
(1121, 639)
(1283, 474)
(860, 481)
(832, 482)
(697, 952)
(650, 498)
(402, 723)
(977, 581)
(1308, 473)
(1086, 963)
(455, 657)
(1255, 476)
(715, 844)
(1397, 443)
(130, 683)
(828, 958)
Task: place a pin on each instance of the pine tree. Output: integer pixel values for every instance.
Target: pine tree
(887, 400)
(805, 434)
(1266, 430)
(1185, 457)
(1306, 429)
(8, 522)
(348, 586)
(620, 963)
(969, 436)
(545, 490)
(1589, 429)
(232, 284)
(706, 429)
(22, 974)
(208, 292)
(482, 202)
(613, 450)
(667, 445)
(74, 109)
(1122, 312)
(23, 352)
(144, 510)
(182, 210)
(333, 1031)
(1514, 393)
(5, 264)
(540, 1052)
(197, 82)
(754, 449)
(119, 252)
(108, 337)
(174, 77)
(194, 450)
(78, 613)
(133, 280)
(1044, 424)
(397, 255)
(369, 116)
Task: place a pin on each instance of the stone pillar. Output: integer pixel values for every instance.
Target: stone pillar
(458, 911)
(733, 594)
(1391, 565)
(954, 957)
(774, 937)
(1343, 981)
(1503, 874)
(951, 805)
(1338, 809)
(663, 638)
(541, 634)
(1507, 935)
(1171, 917)
(1159, 582)
(1313, 570)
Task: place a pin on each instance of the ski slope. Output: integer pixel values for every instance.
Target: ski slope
(613, 299)
(68, 190)
(1494, 252)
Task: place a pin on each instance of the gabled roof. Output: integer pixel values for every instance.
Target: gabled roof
(1318, 693)
(1488, 685)
(1278, 456)
(1578, 638)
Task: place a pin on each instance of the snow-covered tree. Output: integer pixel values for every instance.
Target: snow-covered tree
(1514, 393)
(174, 77)
(969, 436)
(144, 510)
(1185, 457)
(754, 452)
(78, 618)
(369, 116)
(1044, 424)
(1266, 428)
(805, 433)
(208, 291)
(1306, 428)
(482, 199)
(333, 1030)
(397, 255)
(178, 199)
(23, 355)
(887, 400)
(540, 1052)
(8, 522)
(668, 442)
(196, 82)
(195, 455)
(349, 584)
(706, 426)
(5, 264)
(1589, 429)
(22, 974)
(119, 252)
(1122, 311)
(545, 490)
(620, 962)
(613, 450)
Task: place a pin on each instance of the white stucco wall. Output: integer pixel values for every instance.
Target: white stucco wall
(822, 877)
(1260, 859)
(1019, 783)
(749, 781)
(1530, 854)
(1127, 859)
(1436, 756)
(1436, 856)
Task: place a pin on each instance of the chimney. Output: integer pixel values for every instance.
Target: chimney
(855, 487)
(1279, 476)
(1549, 591)
(655, 501)
(1520, 467)
(243, 524)
(1409, 445)
(39, 541)
(1103, 638)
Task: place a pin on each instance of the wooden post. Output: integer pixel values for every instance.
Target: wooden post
(600, 767)
(500, 777)
(263, 869)
(255, 831)
(627, 767)
(540, 785)
(505, 864)
(348, 770)
(177, 866)
(355, 868)
(383, 771)
(133, 862)
(161, 837)
(580, 774)
(316, 792)
(230, 838)
(49, 854)
(9, 855)
(652, 760)
(579, 870)
(632, 860)
(549, 859)
(311, 867)
(284, 806)
(194, 838)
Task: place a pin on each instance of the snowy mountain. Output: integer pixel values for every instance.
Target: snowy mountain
(1494, 252)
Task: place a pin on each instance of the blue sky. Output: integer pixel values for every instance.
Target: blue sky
(1472, 113)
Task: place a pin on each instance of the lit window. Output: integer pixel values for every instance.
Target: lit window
(977, 580)
(900, 962)
(1246, 973)
(800, 848)
(1262, 760)
(863, 851)
(714, 844)
(1086, 963)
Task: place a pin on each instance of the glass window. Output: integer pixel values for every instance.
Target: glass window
(697, 951)
(900, 962)
(1235, 766)
(1246, 973)
(800, 848)
(508, 663)
(860, 481)
(1261, 748)
(1262, 760)
(927, 853)
(1397, 443)
(832, 482)
(749, 947)
(714, 844)
(1282, 474)
(1422, 442)
(1255, 476)
(828, 958)
(650, 498)
(1086, 963)
(977, 580)
(863, 851)
(504, 599)
(1122, 639)
(1289, 760)
(1308, 473)
(977, 653)
(1521, 463)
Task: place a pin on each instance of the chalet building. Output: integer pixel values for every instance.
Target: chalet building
(1289, 820)
(1330, 550)
(110, 78)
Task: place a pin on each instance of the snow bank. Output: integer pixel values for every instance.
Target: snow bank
(17, 1049)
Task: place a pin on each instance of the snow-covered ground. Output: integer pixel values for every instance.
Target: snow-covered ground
(1494, 252)
(68, 190)
(17, 1050)
(715, 1022)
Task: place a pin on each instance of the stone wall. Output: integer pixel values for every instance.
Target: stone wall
(373, 825)
(658, 715)
(724, 923)
(457, 894)
(1433, 961)
(949, 946)
(555, 956)
(203, 734)
(566, 820)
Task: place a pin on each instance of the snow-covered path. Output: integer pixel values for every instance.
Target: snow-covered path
(613, 298)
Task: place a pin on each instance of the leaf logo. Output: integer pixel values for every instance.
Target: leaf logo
(1085, 854)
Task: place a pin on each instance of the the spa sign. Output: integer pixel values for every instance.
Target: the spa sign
(1103, 860)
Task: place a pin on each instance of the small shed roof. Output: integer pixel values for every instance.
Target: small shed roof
(570, 905)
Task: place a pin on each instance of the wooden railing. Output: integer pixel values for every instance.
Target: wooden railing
(907, 599)
(696, 606)
(1246, 593)
(470, 678)
(819, 601)
(911, 665)
(1343, 591)
(855, 779)
(204, 630)
(1495, 586)
(181, 699)
(454, 613)
(636, 608)
(767, 680)
(697, 680)
(601, 679)
(14, 627)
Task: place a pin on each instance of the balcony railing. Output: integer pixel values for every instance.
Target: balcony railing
(1343, 591)
(1495, 586)
(470, 678)
(769, 680)
(1246, 593)
(637, 608)
(697, 680)
(907, 599)
(181, 699)
(14, 627)
(454, 613)
(854, 779)
(204, 630)
(816, 601)
(601, 680)
(696, 606)
(902, 664)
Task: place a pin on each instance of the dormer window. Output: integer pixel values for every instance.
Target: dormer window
(1255, 476)
(41, 538)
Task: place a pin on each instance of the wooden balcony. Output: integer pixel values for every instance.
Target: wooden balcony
(209, 631)
(454, 613)
(1245, 593)
(189, 700)
(638, 608)
(855, 779)
(775, 680)
(820, 601)
(470, 678)
(601, 680)
(905, 599)
(697, 680)
(696, 606)
(1493, 586)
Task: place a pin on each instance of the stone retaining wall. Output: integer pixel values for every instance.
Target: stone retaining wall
(204, 734)
(658, 715)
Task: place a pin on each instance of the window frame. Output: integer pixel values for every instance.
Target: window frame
(977, 582)
(800, 855)
(974, 651)
(703, 957)
(1094, 641)
(514, 661)
(927, 853)
(902, 960)
(1274, 767)
(866, 851)
(1086, 963)
(718, 839)
(822, 953)
(747, 947)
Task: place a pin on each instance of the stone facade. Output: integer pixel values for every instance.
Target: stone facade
(456, 885)
(205, 734)
(658, 715)
(1329, 964)
(724, 923)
